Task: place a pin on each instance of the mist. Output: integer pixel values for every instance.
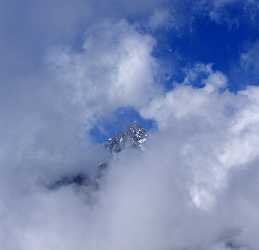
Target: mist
(195, 184)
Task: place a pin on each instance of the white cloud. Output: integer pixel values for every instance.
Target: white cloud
(228, 125)
(116, 68)
(196, 185)
(186, 101)
(249, 60)
(161, 18)
(215, 81)
(218, 13)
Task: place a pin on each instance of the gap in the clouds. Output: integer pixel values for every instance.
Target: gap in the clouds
(118, 121)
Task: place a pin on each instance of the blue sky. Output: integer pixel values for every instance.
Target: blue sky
(207, 36)
(186, 32)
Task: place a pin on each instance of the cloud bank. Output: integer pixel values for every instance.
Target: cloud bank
(195, 185)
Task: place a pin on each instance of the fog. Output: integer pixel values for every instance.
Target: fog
(193, 187)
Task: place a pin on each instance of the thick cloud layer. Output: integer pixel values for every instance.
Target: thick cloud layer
(116, 68)
(193, 187)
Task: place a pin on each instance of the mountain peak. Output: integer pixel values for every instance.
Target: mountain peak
(134, 136)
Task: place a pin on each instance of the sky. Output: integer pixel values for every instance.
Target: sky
(74, 73)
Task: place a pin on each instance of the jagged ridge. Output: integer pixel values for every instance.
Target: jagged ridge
(134, 137)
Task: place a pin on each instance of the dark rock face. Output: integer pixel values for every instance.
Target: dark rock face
(76, 179)
(133, 137)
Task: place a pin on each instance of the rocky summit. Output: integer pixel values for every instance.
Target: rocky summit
(134, 136)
